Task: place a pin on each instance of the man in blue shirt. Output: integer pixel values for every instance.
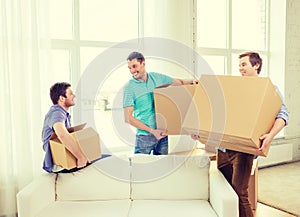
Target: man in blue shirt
(58, 120)
(138, 104)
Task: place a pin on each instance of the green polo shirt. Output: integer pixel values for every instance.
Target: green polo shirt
(140, 95)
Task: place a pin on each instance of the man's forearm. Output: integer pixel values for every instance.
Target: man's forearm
(138, 124)
(177, 82)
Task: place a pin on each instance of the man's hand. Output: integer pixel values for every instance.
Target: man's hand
(266, 141)
(159, 134)
(195, 82)
(195, 137)
(82, 162)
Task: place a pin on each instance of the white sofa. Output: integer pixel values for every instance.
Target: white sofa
(137, 186)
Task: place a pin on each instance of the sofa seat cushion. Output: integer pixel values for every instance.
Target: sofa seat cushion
(170, 177)
(112, 208)
(99, 181)
(171, 208)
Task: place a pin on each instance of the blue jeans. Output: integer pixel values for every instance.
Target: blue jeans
(144, 144)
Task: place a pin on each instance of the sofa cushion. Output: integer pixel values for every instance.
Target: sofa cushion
(171, 208)
(112, 208)
(106, 179)
(170, 177)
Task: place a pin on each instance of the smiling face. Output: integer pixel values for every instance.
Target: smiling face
(246, 68)
(137, 69)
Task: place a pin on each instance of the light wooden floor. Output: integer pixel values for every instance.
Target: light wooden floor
(263, 211)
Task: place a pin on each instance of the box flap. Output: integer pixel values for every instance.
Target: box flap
(70, 130)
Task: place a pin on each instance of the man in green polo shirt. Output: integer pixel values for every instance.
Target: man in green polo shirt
(138, 104)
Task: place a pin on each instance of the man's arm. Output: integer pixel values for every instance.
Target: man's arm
(177, 82)
(128, 111)
(278, 125)
(64, 136)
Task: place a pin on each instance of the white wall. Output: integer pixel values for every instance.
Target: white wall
(292, 72)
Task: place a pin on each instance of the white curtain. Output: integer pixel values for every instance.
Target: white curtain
(24, 56)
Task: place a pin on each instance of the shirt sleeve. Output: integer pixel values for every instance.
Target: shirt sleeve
(284, 112)
(161, 79)
(56, 116)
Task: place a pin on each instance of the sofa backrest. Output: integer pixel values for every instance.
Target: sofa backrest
(106, 179)
(170, 177)
(139, 177)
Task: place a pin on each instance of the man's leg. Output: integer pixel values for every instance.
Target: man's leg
(162, 147)
(242, 165)
(225, 165)
(144, 144)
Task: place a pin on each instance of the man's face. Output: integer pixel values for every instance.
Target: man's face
(136, 68)
(246, 69)
(69, 99)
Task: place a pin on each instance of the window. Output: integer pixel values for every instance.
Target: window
(231, 27)
(80, 31)
(83, 29)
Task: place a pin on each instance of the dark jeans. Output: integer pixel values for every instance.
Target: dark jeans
(76, 169)
(144, 144)
(236, 167)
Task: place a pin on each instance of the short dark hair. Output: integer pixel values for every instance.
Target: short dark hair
(254, 59)
(58, 89)
(136, 55)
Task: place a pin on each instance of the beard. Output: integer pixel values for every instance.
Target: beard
(69, 103)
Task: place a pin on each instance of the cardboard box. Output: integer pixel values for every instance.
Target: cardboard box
(253, 185)
(226, 111)
(171, 105)
(87, 139)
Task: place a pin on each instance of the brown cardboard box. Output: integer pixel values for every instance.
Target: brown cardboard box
(87, 139)
(226, 111)
(171, 105)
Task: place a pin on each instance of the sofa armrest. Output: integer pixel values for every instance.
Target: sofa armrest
(36, 195)
(223, 198)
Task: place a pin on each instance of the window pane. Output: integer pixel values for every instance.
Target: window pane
(211, 23)
(217, 64)
(87, 55)
(61, 19)
(113, 81)
(61, 69)
(248, 24)
(114, 20)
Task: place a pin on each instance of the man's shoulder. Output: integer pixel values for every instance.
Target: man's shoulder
(155, 74)
(57, 113)
(56, 109)
(158, 75)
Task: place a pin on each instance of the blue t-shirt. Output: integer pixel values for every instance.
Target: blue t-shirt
(139, 94)
(55, 114)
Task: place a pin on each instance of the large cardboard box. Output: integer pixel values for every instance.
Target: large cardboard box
(87, 139)
(226, 111)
